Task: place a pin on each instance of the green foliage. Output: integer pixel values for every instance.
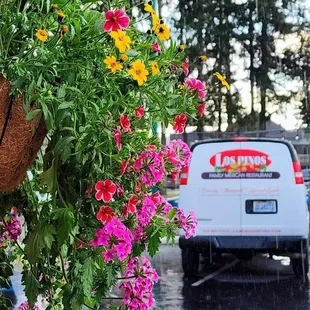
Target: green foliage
(65, 78)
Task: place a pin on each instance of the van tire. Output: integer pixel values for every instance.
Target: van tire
(190, 261)
(301, 265)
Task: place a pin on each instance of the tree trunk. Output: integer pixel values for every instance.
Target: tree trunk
(184, 134)
(229, 102)
(252, 73)
(200, 128)
(263, 76)
(219, 100)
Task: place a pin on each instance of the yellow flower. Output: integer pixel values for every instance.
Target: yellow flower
(61, 16)
(42, 35)
(55, 6)
(65, 29)
(113, 64)
(148, 8)
(155, 69)
(155, 20)
(181, 48)
(203, 58)
(162, 32)
(138, 72)
(180, 87)
(122, 42)
(124, 57)
(222, 79)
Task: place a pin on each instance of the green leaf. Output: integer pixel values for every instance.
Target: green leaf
(31, 287)
(66, 224)
(66, 105)
(171, 213)
(62, 143)
(34, 245)
(40, 238)
(154, 243)
(48, 231)
(32, 114)
(48, 178)
(111, 273)
(88, 276)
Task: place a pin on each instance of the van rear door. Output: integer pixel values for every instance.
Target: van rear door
(215, 199)
(273, 198)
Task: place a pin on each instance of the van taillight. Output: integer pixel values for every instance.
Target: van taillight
(184, 176)
(299, 178)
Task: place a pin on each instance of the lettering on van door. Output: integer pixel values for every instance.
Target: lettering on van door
(240, 164)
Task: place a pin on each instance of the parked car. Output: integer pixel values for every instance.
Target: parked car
(172, 183)
(249, 197)
(306, 174)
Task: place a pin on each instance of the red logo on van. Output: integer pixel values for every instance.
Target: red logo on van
(240, 164)
(244, 160)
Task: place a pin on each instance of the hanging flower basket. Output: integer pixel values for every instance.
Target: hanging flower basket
(20, 140)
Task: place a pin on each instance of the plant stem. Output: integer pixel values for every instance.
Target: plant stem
(63, 267)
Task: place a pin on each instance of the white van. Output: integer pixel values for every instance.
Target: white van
(249, 197)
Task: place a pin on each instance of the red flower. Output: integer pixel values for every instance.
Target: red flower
(115, 20)
(179, 123)
(132, 203)
(105, 190)
(156, 47)
(125, 122)
(119, 190)
(137, 188)
(140, 112)
(117, 138)
(151, 147)
(124, 166)
(185, 66)
(156, 198)
(201, 108)
(105, 214)
(89, 191)
(173, 68)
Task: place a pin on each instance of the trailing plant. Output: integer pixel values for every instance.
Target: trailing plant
(89, 203)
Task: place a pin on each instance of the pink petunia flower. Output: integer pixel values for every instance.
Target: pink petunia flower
(194, 84)
(125, 122)
(185, 66)
(139, 112)
(115, 20)
(117, 138)
(105, 190)
(156, 48)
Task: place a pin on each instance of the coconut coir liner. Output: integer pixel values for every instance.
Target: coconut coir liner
(21, 142)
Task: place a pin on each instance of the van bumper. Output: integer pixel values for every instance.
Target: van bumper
(257, 243)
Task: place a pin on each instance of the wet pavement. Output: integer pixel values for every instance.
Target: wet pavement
(259, 284)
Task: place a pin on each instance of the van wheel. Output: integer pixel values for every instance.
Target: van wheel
(245, 255)
(301, 265)
(190, 261)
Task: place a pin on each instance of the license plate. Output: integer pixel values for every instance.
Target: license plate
(264, 206)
